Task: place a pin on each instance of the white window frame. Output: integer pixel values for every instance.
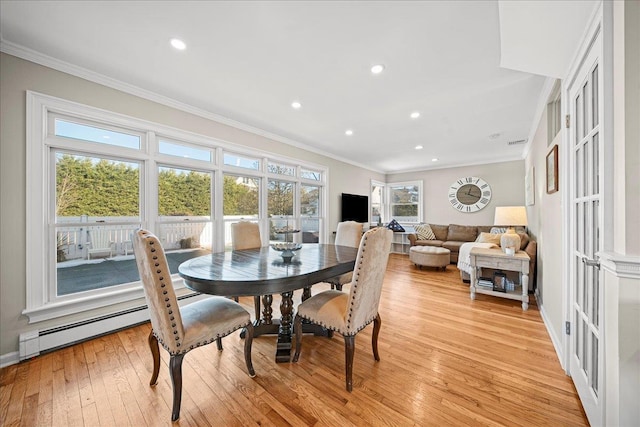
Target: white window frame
(389, 204)
(41, 305)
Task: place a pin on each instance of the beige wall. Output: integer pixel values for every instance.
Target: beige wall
(546, 225)
(507, 188)
(16, 77)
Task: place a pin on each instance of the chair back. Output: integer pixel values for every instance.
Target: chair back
(368, 276)
(245, 235)
(349, 233)
(158, 290)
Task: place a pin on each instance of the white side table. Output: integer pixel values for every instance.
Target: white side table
(498, 260)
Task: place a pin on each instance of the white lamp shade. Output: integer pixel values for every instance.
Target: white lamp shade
(510, 216)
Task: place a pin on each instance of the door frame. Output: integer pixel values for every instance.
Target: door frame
(601, 22)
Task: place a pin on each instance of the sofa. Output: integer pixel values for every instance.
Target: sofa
(453, 236)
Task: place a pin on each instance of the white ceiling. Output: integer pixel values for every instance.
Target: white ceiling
(247, 61)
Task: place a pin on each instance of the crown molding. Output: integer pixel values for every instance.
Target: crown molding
(92, 76)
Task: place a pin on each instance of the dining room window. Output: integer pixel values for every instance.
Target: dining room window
(96, 176)
(241, 201)
(280, 201)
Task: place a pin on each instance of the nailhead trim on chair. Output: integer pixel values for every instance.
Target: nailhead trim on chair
(178, 338)
(198, 344)
(172, 318)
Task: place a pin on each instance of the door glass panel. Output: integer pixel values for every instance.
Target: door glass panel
(594, 363)
(578, 222)
(578, 120)
(579, 281)
(594, 96)
(585, 115)
(586, 168)
(578, 168)
(596, 162)
(583, 285)
(583, 351)
(578, 335)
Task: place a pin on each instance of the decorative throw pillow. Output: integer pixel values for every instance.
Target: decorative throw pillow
(498, 230)
(424, 232)
(489, 238)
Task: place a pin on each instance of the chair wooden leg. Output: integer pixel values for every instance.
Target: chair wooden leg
(349, 350)
(297, 328)
(338, 286)
(155, 354)
(175, 366)
(248, 341)
(219, 343)
(377, 322)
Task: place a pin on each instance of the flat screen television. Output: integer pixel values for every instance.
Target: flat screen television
(355, 208)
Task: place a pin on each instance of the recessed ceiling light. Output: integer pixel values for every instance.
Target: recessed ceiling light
(415, 115)
(178, 44)
(377, 69)
(296, 105)
(419, 147)
(434, 159)
(348, 132)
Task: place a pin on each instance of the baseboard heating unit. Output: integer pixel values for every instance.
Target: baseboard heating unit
(34, 343)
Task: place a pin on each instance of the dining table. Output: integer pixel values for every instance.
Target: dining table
(264, 272)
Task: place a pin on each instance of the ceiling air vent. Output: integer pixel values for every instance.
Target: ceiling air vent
(517, 142)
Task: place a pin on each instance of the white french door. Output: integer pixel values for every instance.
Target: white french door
(585, 151)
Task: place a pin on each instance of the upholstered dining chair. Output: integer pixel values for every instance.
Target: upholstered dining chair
(246, 235)
(348, 233)
(181, 329)
(349, 313)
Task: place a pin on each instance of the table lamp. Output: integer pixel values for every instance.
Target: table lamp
(510, 216)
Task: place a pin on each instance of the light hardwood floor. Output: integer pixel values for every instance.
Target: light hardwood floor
(445, 361)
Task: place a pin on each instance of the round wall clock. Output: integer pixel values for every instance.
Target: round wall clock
(469, 194)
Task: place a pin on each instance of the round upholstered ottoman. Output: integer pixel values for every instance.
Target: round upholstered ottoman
(430, 256)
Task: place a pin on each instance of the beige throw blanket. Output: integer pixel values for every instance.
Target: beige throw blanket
(464, 258)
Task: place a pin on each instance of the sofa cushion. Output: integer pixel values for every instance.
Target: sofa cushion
(484, 228)
(424, 232)
(524, 240)
(441, 231)
(453, 246)
(462, 233)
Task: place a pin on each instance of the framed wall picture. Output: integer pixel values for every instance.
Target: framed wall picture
(530, 187)
(552, 170)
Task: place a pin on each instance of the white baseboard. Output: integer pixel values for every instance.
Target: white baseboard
(555, 340)
(9, 359)
(32, 343)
